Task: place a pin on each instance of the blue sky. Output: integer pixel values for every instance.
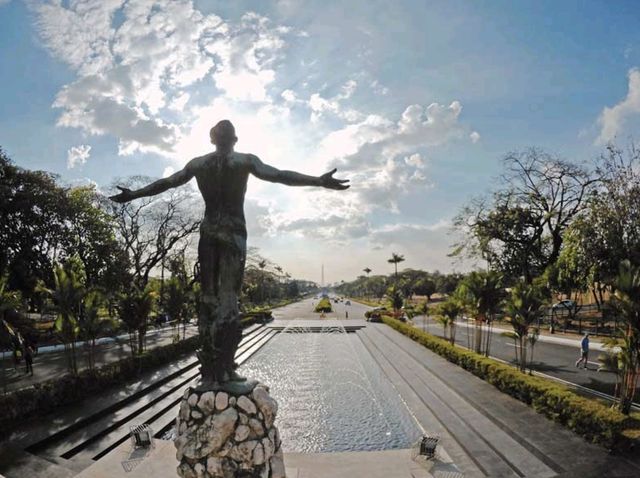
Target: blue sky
(416, 102)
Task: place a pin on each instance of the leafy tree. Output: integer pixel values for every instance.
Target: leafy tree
(32, 225)
(425, 286)
(519, 229)
(42, 223)
(569, 276)
(90, 234)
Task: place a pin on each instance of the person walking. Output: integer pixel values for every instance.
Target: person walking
(28, 360)
(17, 356)
(584, 352)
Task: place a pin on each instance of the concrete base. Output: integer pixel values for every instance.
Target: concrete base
(160, 462)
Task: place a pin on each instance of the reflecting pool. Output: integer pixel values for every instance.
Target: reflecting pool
(332, 395)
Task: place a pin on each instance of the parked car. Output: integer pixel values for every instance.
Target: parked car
(564, 304)
(375, 315)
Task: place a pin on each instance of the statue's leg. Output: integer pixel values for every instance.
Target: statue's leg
(209, 252)
(232, 273)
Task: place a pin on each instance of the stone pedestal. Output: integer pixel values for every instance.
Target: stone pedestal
(226, 434)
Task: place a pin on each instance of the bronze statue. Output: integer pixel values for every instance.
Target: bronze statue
(222, 179)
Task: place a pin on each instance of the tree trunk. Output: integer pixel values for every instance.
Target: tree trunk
(140, 342)
(478, 335)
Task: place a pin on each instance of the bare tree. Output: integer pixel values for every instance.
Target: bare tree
(151, 227)
(519, 228)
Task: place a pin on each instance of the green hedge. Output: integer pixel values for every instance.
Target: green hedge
(45, 397)
(324, 305)
(592, 419)
(256, 317)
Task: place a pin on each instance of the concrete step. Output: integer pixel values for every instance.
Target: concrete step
(104, 433)
(116, 400)
(17, 463)
(127, 413)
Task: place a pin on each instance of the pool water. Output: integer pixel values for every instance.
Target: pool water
(331, 393)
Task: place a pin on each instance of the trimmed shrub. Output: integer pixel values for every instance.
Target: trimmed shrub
(256, 317)
(324, 305)
(44, 397)
(588, 418)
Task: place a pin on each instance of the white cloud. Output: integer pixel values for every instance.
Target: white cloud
(370, 144)
(249, 55)
(289, 96)
(474, 137)
(136, 61)
(179, 102)
(612, 119)
(78, 155)
(320, 106)
(384, 159)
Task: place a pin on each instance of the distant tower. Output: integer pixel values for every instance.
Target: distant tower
(323, 289)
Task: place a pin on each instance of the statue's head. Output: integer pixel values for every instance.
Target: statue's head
(223, 135)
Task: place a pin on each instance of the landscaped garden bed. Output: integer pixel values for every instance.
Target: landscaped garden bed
(324, 305)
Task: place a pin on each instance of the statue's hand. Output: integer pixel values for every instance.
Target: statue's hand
(328, 181)
(125, 195)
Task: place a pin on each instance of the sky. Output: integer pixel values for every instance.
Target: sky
(415, 102)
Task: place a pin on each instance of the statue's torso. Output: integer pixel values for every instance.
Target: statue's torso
(222, 180)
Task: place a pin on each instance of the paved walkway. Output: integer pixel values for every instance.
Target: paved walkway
(160, 462)
(486, 432)
(54, 364)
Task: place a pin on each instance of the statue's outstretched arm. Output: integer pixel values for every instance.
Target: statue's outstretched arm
(293, 178)
(161, 185)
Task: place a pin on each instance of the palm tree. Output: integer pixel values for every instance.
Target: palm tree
(177, 303)
(9, 300)
(395, 299)
(134, 310)
(395, 260)
(93, 325)
(367, 271)
(67, 296)
(627, 302)
(262, 264)
(447, 313)
(524, 307)
(482, 294)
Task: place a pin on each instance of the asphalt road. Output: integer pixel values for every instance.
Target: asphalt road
(556, 360)
(553, 359)
(305, 310)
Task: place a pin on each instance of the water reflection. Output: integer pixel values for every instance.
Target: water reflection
(331, 393)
